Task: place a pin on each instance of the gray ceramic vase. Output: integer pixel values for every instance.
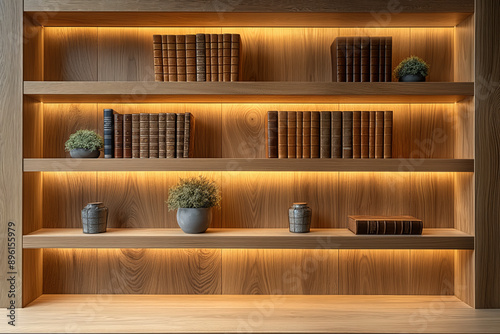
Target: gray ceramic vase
(94, 218)
(412, 78)
(194, 220)
(81, 153)
(299, 216)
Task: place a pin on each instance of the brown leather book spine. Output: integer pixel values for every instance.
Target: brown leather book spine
(356, 134)
(172, 58)
(347, 135)
(338, 51)
(349, 55)
(187, 134)
(208, 59)
(325, 134)
(356, 59)
(201, 74)
(365, 134)
(190, 58)
(306, 135)
(220, 57)
(336, 134)
(118, 133)
(272, 134)
(235, 57)
(171, 138)
(282, 135)
(157, 57)
(162, 135)
(153, 136)
(292, 134)
(381, 60)
(357, 227)
(379, 135)
(365, 59)
(385, 225)
(388, 134)
(136, 136)
(315, 134)
(388, 59)
(298, 137)
(179, 136)
(374, 58)
(371, 135)
(226, 57)
(180, 51)
(390, 227)
(127, 136)
(164, 55)
(144, 135)
(214, 60)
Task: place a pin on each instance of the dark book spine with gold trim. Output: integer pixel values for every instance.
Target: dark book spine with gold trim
(127, 136)
(158, 58)
(162, 135)
(180, 50)
(172, 58)
(272, 134)
(315, 134)
(306, 135)
(235, 57)
(118, 132)
(144, 135)
(336, 134)
(388, 134)
(379, 135)
(347, 135)
(136, 136)
(201, 74)
(282, 135)
(190, 58)
(179, 130)
(292, 134)
(365, 133)
(153, 136)
(325, 134)
(171, 138)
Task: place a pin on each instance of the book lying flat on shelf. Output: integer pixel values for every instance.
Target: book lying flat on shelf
(396, 225)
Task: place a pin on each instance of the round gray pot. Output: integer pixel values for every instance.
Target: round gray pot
(412, 78)
(83, 153)
(194, 220)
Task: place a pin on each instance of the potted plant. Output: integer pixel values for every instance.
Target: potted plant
(194, 198)
(412, 69)
(84, 144)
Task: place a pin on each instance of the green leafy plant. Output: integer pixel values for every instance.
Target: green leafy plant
(86, 139)
(195, 192)
(412, 66)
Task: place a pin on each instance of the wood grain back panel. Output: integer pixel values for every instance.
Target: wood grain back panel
(464, 129)
(432, 272)
(33, 275)
(159, 271)
(64, 197)
(72, 271)
(464, 50)
(487, 154)
(61, 120)
(279, 272)
(32, 128)
(70, 54)
(32, 50)
(32, 202)
(465, 276)
(464, 202)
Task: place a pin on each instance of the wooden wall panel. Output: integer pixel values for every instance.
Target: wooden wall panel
(32, 202)
(400, 40)
(435, 46)
(401, 128)
(288, 272)
(32, 50)
(373, 194)
(71, 271)
(65, 194)
(70, 54)
(207, 134)
(33, 275)
(464, 129)
(432, 272)
(432, 198)
(11, 139)
(464, 202)
(432, 131)
(374, 272)
(321, 192)
(256, 199)
(61, 120)
(32, 128)
(159, 271)
(487, 154)
(464, 276)
(464, 50)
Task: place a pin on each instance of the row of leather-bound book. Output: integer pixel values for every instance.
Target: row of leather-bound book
(329, 134)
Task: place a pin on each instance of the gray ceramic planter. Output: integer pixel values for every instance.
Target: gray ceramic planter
(412, 78)
(194, 220)
(81, 153)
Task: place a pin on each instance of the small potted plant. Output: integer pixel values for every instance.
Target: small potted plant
(412, 69)
(84, 144)
(194, 198)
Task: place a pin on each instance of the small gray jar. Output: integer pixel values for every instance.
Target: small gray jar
(194, 220)
(299, 216)
(94, 218)
(80, 153)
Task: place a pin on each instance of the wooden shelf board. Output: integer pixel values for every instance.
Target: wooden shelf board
(263, 92)
(252, 313)
(244, 238)
(255, 165)
(230, 19)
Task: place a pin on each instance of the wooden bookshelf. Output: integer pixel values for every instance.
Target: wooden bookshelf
(245, 238)
(284, 92)
(256, 165)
